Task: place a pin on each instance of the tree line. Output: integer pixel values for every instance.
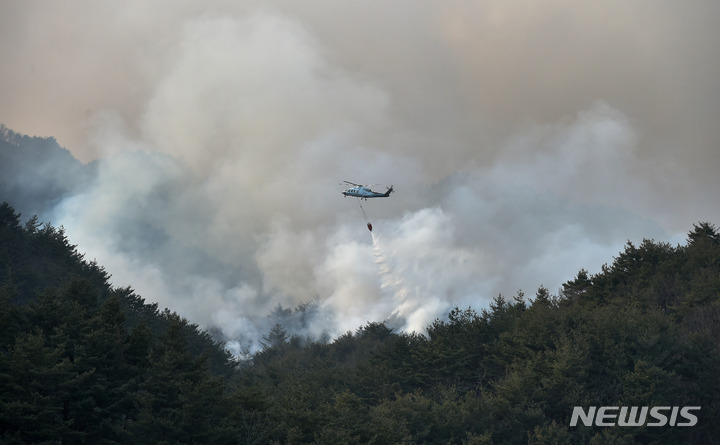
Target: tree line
(84, 362)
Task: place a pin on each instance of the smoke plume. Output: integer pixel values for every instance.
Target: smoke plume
(524, 143)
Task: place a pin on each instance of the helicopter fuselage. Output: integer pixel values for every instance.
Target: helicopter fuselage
(365, 193)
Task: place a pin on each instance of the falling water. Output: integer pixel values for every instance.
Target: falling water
(390, 282)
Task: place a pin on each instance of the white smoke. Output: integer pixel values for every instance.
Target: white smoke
(423, 270)
(216, 192)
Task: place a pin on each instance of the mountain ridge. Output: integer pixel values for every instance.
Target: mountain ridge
(82, 361)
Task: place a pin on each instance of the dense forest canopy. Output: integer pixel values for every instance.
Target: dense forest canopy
(84, 362)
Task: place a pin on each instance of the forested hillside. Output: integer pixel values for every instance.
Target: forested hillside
(84, 362)
(36, 173)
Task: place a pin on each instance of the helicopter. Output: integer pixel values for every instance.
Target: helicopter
(363, 192)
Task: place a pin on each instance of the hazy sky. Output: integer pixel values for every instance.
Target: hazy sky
(525, 140)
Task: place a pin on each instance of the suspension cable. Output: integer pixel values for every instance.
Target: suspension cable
(367, 220)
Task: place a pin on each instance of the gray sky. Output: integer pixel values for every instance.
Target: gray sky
(525, 141)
